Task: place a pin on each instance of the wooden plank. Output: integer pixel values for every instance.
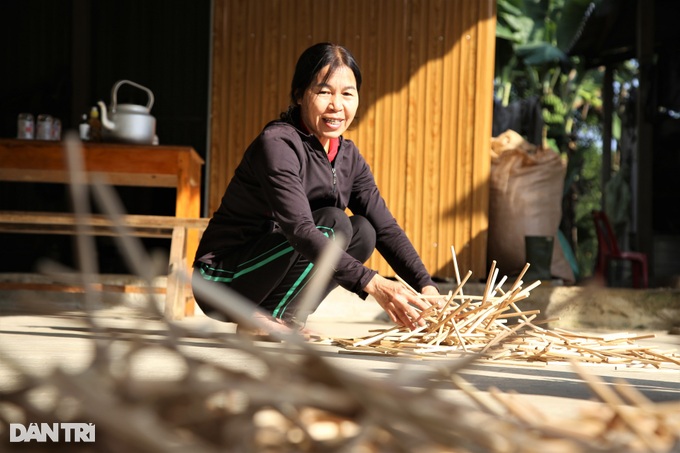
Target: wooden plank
(178, 302)
(416, 100)
(79, 289)
(270, 104)
(100, 157)
(461, 191)
(253, 82)
(486, 24)
(403, 39)
(62, 177)
(218, 154)
(432, 132)
(447, 205)
(71, 230)
(175, 300)
(99, 220)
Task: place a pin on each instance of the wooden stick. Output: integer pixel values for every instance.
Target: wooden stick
(610, 398)
(474, 394)
(525, 292)
(455, 293)
(521, 313)
(664, 357)
(518, 410)
(504, 334)
(412, 333)
(518, 280)
(376, 337)
(499, 285)
(489, 280)
(455, 266)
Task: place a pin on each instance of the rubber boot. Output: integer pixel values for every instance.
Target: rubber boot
(539, 251)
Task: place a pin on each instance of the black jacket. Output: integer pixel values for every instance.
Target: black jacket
(284, 175)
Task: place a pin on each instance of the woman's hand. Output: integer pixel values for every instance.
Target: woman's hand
(398, 301)
(429, 291)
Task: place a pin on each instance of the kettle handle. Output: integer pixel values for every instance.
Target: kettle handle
(114, 93)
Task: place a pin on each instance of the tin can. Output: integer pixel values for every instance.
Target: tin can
(25, 126)
(43, 131)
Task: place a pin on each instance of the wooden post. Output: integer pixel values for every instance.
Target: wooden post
(642, 206)
(608, 100)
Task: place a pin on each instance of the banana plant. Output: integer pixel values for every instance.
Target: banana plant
(531, 61)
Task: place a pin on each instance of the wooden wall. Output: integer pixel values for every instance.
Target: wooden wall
(425, 113)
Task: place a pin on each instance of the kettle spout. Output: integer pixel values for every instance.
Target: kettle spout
(106, 122)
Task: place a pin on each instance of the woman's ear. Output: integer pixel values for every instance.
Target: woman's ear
(299, 94)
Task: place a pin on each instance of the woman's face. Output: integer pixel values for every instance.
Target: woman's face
(328, 108)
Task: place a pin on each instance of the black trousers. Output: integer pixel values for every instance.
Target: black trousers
(272, 274)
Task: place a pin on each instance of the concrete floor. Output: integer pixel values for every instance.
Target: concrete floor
(39, 343)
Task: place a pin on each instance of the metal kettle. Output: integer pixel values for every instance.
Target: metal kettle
(128, 123)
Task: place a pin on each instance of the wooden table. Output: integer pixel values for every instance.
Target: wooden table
(177, 167)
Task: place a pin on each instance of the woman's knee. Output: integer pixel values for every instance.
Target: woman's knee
(199, 286)
(359, 234)
(363, 240)
(335, 219)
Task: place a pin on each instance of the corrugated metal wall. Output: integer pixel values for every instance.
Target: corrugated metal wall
(426, 104)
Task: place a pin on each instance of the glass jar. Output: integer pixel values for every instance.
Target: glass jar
(56, 130)
(25, 126)
(43, 130)
(84, 128)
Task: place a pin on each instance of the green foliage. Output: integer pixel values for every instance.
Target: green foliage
(532, 37)
(589, 198)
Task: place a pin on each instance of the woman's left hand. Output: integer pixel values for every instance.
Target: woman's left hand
(429, 291)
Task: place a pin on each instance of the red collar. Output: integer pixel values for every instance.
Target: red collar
(333, 145)
(333, 149)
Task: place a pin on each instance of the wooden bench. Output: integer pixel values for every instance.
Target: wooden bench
(176, 229)
(131, 165)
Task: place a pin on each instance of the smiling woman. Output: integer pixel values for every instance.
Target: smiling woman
(328, 102)
(287, 202)
(330, 105)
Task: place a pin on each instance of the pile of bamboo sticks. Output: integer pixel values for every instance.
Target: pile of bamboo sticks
(625, 421)
(493, 326)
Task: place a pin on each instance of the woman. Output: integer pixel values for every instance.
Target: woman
(287, 200)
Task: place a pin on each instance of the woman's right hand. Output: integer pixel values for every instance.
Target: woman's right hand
(398, 301)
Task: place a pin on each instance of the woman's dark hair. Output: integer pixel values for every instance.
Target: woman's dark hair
(313, 60)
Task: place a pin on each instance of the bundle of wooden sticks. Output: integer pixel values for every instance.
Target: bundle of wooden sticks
(494, 326)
